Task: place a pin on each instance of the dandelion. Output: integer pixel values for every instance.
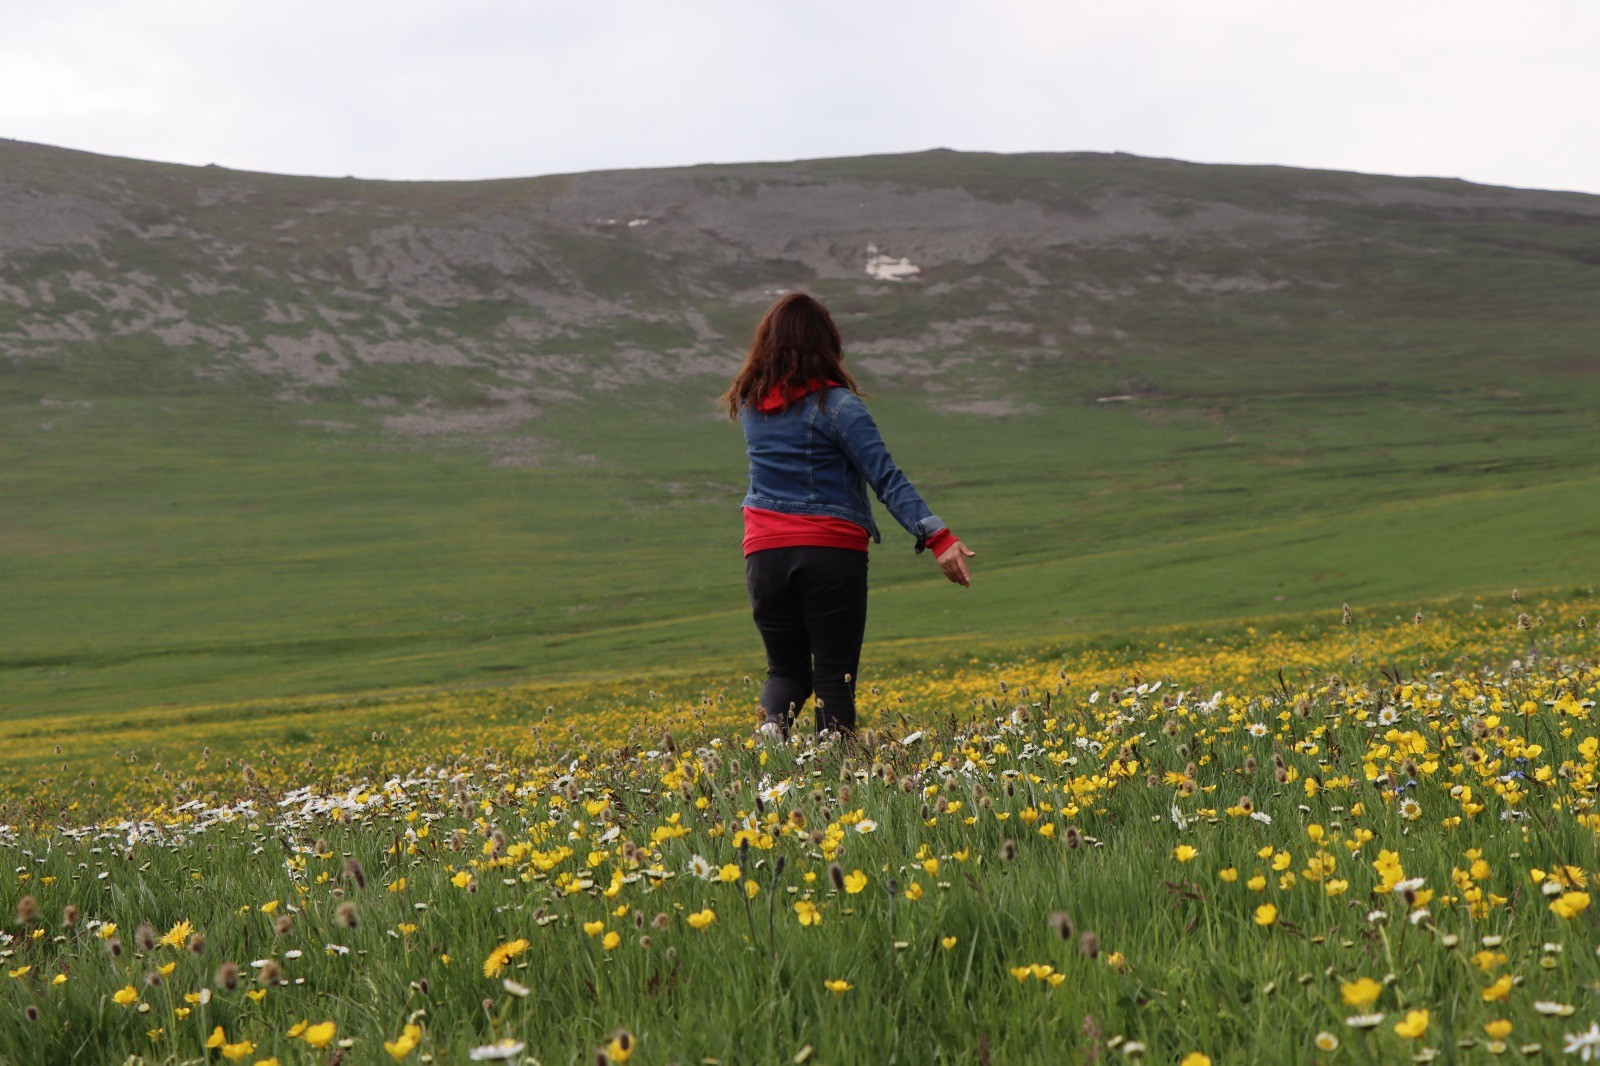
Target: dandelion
(501, 956)
(177, 935)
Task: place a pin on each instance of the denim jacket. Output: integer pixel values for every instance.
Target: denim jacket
(819, 456)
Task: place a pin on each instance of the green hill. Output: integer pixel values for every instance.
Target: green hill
(269, 435)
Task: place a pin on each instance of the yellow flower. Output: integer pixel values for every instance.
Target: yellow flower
(21, 971)
(107, 931)
(267, 1062)
(1256, 883)
(728, 874)
(1415, 1025)
(1195, 1058)
(1229, 874)
(611, 940)
(1498, 1029)
(931, 866)
(703, 918)
(1118, 962)
(294, 1030)
(621, 1047)
(854, 882)
(127, 995)
(256, 995)
(462, 879)
(1021, 973)
(594, 928)
(1499, 990)
(405, 1043)
(217, 1038)
(751, 889)
(838, 988)
(914, 893)
(807, 912)
(269, 906)
(318, 1035)
(947, 942)
(59, 979)
(500, 956)
(1266, 914)
(1361, 992)
(239, 1050)
(1184, 853)
(1570, 904)
(178, 934)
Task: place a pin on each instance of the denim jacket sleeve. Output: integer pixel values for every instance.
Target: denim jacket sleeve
(861, 442)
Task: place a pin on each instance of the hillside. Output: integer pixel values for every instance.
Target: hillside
(273, 436)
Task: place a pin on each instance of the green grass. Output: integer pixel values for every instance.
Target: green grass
(1405, 411)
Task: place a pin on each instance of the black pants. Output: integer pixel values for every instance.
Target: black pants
(810, 605)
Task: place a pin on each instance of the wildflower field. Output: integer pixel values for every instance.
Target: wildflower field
(1365, 838)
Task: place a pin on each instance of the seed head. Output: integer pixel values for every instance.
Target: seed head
(27, 910)
(197, 944)
(145, 937)
(284, 925)
(1089, 944)
(354, 872)
(69, 915)
(836, 875)
(270, 973)
(1008, 850)
(1062, 924)
(228, 976)
(345, 915)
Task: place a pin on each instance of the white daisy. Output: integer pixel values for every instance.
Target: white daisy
(504, 1049)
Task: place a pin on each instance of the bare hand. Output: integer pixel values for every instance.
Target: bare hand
(954, 566)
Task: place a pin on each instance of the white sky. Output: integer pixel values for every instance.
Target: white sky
(1499, 91)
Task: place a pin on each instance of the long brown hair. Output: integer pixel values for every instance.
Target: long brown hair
(796, 343)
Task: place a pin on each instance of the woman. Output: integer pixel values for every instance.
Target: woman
(813, 449)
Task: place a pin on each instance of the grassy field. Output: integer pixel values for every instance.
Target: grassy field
(1369, 390)
(1320, 843)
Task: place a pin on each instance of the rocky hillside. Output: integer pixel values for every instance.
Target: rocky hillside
(991, 283)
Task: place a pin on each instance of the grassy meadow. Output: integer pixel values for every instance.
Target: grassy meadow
(1326, 842)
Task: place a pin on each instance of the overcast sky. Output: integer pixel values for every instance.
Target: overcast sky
(1499, 91)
